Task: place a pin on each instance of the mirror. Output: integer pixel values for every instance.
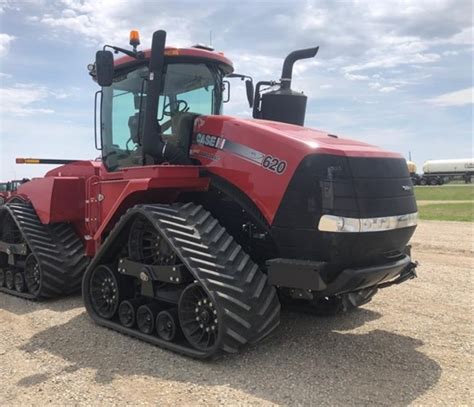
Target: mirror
(104, 67)
(225, 91)
(249, 89)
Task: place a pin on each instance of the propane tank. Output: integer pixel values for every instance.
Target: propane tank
(460, 166)
(411, 167)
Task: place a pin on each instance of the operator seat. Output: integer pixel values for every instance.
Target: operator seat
(182, 125)
(181, 134)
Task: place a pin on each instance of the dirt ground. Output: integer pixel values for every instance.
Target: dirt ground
(411, 345)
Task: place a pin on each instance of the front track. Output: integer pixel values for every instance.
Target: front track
(192, 289)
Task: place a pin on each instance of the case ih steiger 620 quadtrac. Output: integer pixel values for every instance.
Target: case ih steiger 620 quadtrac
(195, 226)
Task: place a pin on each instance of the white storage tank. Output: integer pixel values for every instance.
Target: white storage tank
(458, 166)
(411, 167)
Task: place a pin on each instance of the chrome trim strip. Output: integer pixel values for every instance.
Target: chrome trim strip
(340, 224)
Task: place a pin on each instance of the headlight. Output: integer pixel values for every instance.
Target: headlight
(331, 223)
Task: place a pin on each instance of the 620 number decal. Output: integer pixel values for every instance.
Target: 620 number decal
(274, 164)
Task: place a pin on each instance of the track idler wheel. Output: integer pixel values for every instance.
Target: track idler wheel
(104, 291)
(146, 245)
(32, 275)
(146, 315)
(198, 318)
(167, 324)
(10, 279)
(19, 282)
(127, 311)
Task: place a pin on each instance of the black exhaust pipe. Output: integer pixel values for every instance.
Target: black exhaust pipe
(287, 71)
(155, 150)
(284, 104)
(151, 145)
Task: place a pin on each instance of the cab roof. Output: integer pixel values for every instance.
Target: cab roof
(192, 52)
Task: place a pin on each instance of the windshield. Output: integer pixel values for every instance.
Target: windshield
(187, 88)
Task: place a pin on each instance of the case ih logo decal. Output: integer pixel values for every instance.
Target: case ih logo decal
(268, 162)
(210, 141)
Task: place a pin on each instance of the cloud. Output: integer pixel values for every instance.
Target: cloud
(5, 41)
(21, 99)
(387, 89)
(110, 21)
(458, 98)
(354, 77)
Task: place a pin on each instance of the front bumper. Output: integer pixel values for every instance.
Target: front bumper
(309, 276)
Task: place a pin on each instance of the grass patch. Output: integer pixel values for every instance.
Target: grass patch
(445, 193)
(461, 212)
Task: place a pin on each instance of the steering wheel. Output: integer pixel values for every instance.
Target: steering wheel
(180, 105)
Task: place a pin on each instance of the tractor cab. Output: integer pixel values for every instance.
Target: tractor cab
(188, 83)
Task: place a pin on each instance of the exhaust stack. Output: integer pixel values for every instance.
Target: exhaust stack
(284, 104)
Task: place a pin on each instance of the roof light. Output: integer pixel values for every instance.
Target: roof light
(171, 51)
(134, 38)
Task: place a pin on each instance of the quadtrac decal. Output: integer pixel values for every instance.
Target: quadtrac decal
(269, 162)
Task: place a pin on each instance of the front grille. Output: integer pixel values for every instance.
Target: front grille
(354, 187)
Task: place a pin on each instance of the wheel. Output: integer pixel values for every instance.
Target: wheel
(147, 246)
(19, 282)
(2, 277)
(32, 275)
(146, 318)
(166, 324)
(198, 318)
(104, 292)
(423, 181)
(127, 312)
(9, 279)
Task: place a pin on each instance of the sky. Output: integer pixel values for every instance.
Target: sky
(394, 73)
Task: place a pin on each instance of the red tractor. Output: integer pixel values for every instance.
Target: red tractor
(194, 226)
(7, 188)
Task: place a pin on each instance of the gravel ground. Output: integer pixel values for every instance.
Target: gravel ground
(411, 345)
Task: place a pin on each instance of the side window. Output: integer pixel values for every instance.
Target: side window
(200, 100)
(123, 109)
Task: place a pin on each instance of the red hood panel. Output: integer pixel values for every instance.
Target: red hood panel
(304, 139)
(259, 157)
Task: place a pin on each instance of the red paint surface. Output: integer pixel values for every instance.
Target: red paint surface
(186, 52)
(285, 141)
(92, 199)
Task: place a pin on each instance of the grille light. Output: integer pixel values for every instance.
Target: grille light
(331, 223)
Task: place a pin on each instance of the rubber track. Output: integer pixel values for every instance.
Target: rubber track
(58, 249)
(248, 306)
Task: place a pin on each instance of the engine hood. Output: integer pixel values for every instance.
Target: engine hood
(304, 139)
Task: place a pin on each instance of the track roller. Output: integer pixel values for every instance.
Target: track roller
(10, 279)
(19, 282)
(127, 311)
(167, 324)
(146, 315)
